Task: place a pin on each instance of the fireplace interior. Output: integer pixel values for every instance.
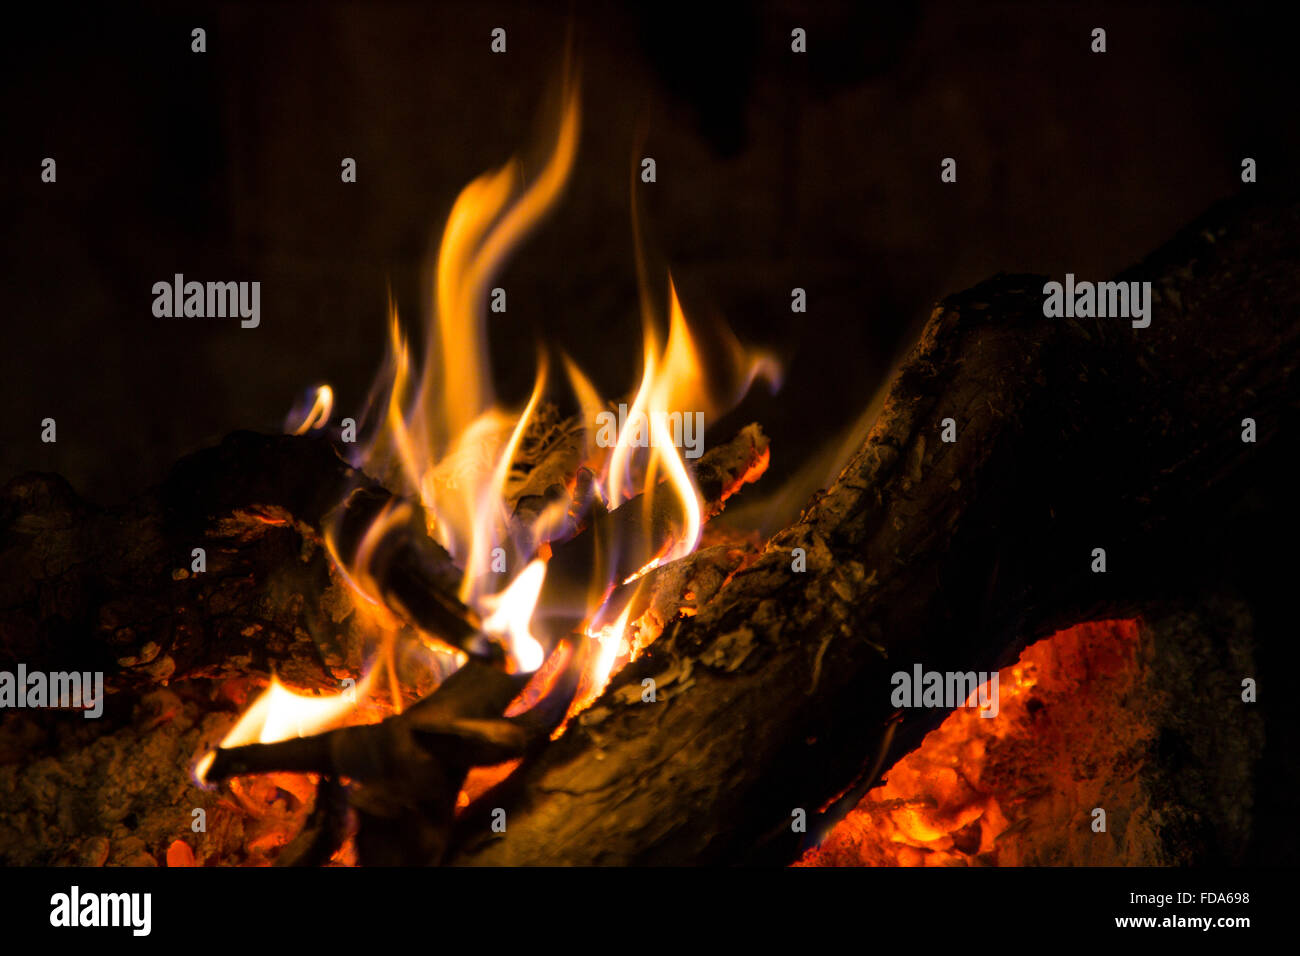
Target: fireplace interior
(639, 418)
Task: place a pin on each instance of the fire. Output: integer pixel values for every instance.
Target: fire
(315, 416)
(613, 643)
(447, 444)
(671, 381)
(443, 440)
(958, 798)
(511, 612)
(439, 438)
(281, 714)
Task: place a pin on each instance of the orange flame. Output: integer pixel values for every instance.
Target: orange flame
(448, 443)
(445, 441)
(281, 714)
(511, 612)
(314, 417)
(613, 644)
(441, 439)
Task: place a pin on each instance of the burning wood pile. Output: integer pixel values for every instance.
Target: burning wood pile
(497, 636)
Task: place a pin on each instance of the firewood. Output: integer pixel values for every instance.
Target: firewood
(258, 505)
(1071, 434)
(546, 469)
(407, 771)
(116, 589)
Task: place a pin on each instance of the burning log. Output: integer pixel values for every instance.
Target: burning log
(118, 589)
(1072, 435)
(260, 507)
(407, 771)
(269, 599)
(618, 545)
(551, 457)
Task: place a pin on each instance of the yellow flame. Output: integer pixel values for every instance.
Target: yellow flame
(612, 640)
(671, 385)
(395, 420)
(448, 442)
(512, 612)
(631, 434)
(444, 439)
(281, 714)
(320, 410)
(483, 228)
(679, 390)
(489, 515)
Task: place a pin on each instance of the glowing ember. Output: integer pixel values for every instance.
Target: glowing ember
(957, 799)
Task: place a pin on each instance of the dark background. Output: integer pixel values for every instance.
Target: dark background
(775, 170)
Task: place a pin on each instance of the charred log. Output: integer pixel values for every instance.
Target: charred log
(407, 771)
(1072, 435)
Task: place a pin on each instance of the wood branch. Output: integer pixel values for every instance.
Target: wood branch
(407, 771)
(1073, 434)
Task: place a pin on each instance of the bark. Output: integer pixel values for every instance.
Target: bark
(1072, 434)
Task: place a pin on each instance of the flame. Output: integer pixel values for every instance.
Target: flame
(671, 384)
(444, 441)
(436, 435)
(314, 417)
(613, 644)
(281, 714)
(511, 612)
(679, 388)
(448, 445)
(442, 438)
